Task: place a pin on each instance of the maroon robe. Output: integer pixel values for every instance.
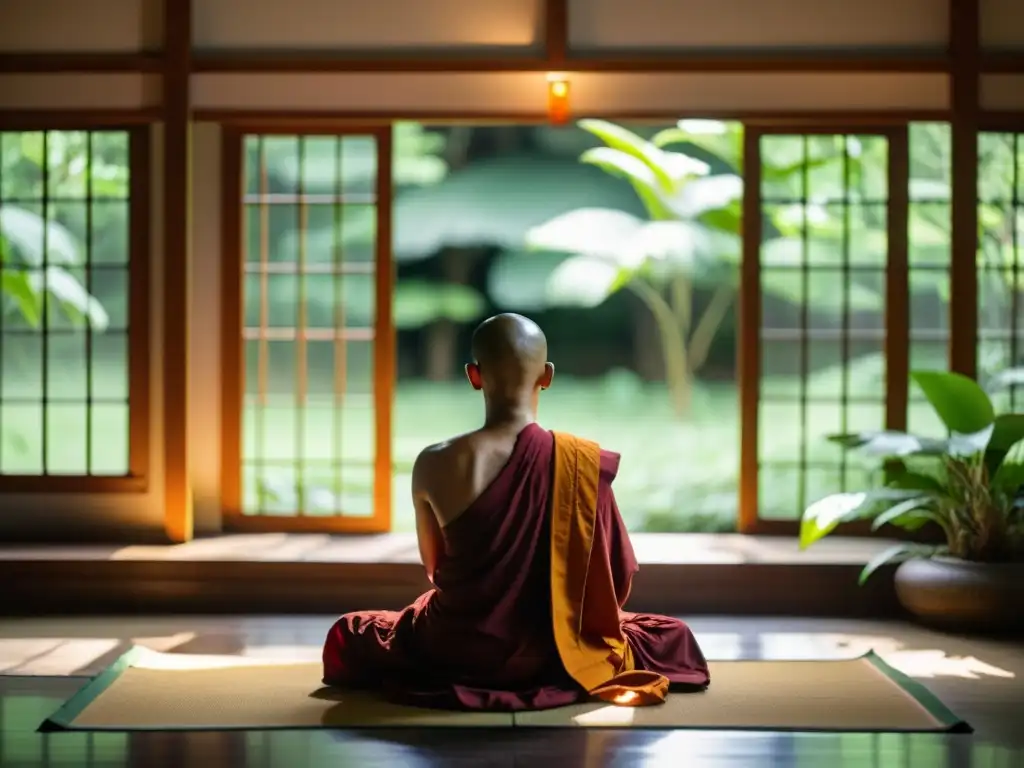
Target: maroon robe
(483, 638)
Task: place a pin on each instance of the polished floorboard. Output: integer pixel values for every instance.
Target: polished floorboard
(44, 661)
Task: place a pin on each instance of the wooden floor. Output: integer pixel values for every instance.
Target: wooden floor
(42, 662)
(651, 549)
(285, 573)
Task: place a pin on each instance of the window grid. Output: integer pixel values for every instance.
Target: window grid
(310, 482)
(1001, 216)
(806, 472)
(54, 262)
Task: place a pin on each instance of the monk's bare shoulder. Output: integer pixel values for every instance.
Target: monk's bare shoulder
(440, 460)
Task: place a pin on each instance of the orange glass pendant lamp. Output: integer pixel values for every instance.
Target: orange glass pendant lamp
(558, 98)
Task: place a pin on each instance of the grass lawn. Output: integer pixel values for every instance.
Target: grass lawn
(676, 474)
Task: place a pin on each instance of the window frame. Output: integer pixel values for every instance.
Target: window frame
(233, 321)
(897, 321)
(1008, 123)
(137, 479)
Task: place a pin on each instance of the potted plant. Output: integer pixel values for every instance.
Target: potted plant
(968, 485)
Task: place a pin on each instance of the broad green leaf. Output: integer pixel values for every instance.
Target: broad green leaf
(906, 512)
(638, 173)
(970, 445)
(628, 242)
(695, 132)
(1010, 477)
(28, 234)
(669, 167)
(16, 284)
(960, 403)
(602, 232)
(78, 304)
(895, 554)
(822, 517)
(1008, 430)
(909, 480)
(728, 219)
(687, 245)
(624, 141)
(886, 443)
(718, 139)
(493, 202)
(519, 279)
(699, 196)
(584, 281)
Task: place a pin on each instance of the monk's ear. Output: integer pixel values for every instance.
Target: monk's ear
(547, 376)
(473, 374)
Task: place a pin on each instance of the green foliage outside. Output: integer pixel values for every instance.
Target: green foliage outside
(596, 230)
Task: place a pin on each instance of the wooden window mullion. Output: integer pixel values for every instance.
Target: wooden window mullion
(897, 283)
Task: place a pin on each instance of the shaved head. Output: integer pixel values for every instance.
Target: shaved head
(511, 348)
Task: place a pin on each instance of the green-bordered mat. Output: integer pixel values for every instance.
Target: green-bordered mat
(145, 690)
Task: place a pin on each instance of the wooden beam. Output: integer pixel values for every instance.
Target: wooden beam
(964, 51)
(265, 120)
(75, 119)
(559, 59)
(80, 63)
(1002, 62)
(178, 521)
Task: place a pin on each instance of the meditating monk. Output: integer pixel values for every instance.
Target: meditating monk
(530, 561)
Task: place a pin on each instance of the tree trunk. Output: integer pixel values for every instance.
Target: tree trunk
(648, 361)
(442, 339)
(443, 335)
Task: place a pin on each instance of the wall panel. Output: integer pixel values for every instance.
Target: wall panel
(79, 26)
(757, 24)
(1002, 24)
(204, 348)
(357, 25)
(85, 92)
(1002, 93)
(592, 93)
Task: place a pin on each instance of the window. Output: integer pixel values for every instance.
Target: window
(1001, 265)
(307, 406)
(832, 353)
(852, 283)
(73, 325)
(930, 250)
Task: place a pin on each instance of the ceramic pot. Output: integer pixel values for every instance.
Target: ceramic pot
(960, 595)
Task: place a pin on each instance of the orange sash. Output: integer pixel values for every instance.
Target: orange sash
(584, 606)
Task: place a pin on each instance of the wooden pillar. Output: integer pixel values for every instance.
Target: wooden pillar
(965, 76)
(177, 59)
(556, 32)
